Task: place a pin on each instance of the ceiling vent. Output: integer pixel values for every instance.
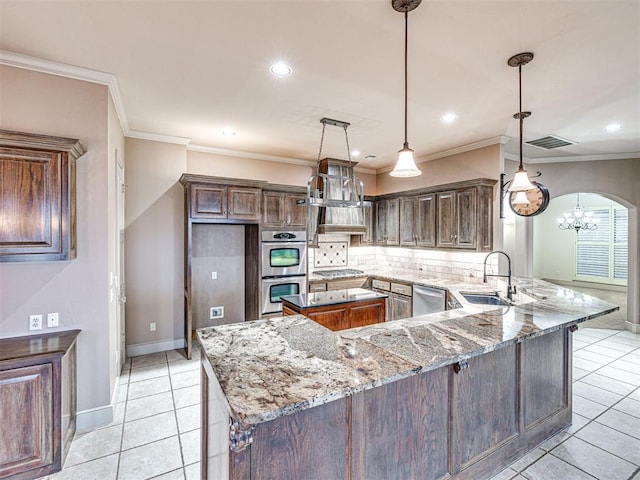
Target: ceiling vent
(550, 141)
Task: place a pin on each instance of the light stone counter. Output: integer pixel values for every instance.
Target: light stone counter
(270, 368)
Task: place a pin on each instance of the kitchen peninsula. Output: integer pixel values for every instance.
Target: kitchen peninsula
(458, 394)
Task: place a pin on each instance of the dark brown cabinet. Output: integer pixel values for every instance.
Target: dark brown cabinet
(281, 209)
(38, 399)
(222, 202)
(37, 197)
(387, 222)
(341, 316)
(367, 237)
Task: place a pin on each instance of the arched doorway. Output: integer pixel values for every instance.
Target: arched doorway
(590, 261)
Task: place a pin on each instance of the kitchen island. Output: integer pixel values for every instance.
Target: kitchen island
(458, 394)
(338, 309)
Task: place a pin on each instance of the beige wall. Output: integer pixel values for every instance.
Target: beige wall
(78, 289)
(484, 162)
(154, 243)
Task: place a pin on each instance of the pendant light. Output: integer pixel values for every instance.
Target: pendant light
(406, 165)
(521, 180)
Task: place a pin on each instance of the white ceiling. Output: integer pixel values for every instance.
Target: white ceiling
(189, 69)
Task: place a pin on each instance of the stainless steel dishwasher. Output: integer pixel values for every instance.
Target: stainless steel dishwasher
(428, 300)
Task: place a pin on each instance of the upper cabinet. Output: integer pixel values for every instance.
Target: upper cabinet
(224, 203)
(281, 210)
(454, 216)
(387, 222)
(464, 218)
(37, 197)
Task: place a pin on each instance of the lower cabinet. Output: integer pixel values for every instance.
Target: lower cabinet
(37, 403)
(342, 316)
(400, 301)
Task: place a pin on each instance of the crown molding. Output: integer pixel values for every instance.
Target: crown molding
(498, 140)
(156, 137)
(35, 64)
(261, 156)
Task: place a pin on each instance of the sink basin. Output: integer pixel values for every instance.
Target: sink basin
(484, 298)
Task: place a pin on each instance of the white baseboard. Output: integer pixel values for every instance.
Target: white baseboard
(94, 417)
(153, 347)
(632, 327)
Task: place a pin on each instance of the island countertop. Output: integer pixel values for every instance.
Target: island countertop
(333, 297)
(270, 368)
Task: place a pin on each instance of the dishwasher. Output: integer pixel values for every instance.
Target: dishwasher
(428, 300)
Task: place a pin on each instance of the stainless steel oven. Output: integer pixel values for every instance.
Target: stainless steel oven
(274, 288)
(284, 267)
(284, 253)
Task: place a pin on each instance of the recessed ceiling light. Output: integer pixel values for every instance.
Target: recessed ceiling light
(612, 127)
(449, 118)
(355, 153)
(281, 69)
(229, 132)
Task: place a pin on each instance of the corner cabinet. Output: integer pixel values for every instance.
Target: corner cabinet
(37, 197)
(38, 399)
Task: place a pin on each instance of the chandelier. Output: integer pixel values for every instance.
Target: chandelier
(577, 219)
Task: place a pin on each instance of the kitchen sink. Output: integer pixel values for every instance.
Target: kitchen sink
(483, 298)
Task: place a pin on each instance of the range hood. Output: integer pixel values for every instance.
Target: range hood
(336, 198)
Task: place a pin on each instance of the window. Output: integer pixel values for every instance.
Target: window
(601, 254)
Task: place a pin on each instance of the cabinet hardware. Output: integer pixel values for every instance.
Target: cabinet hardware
(573, 328)
(461, 365)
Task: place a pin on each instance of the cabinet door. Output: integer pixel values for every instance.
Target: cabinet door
(380, 237)
(26, 436)
(295, 215)
(244, 203)
(208, 201)
(426, 221)
(366, 314)
(466, 218)
(485, 218)
(446, 218)
(408, 222)
(399, 306)
(393, 222)
(272, 209)
(335, 319)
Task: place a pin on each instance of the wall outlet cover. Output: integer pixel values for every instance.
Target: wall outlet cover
(53, 320)
(35, 322)
(216, 312)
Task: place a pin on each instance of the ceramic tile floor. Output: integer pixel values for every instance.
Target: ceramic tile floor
(156, 431)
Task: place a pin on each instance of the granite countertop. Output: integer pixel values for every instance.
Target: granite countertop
(270, 368)
(41, 344)
(335, 297)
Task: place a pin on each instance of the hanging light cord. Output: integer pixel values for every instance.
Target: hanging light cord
(406, 54)
(520, 109)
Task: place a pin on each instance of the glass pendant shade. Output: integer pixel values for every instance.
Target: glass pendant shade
(406, 165)
(521, 199)
(520, 182)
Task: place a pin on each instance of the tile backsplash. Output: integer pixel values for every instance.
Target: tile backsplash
(335, 252)
(331, 254)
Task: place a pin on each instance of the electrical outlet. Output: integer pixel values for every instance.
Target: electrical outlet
(216, 312)
(214, 275)
(152, 326)
(35, 322)
(53, 320)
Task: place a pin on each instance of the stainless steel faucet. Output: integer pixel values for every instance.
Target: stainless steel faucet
(511, 289)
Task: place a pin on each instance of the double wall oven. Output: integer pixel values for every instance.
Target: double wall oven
(284, 267)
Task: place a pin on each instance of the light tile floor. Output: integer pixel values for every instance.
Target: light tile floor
(156, 430)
